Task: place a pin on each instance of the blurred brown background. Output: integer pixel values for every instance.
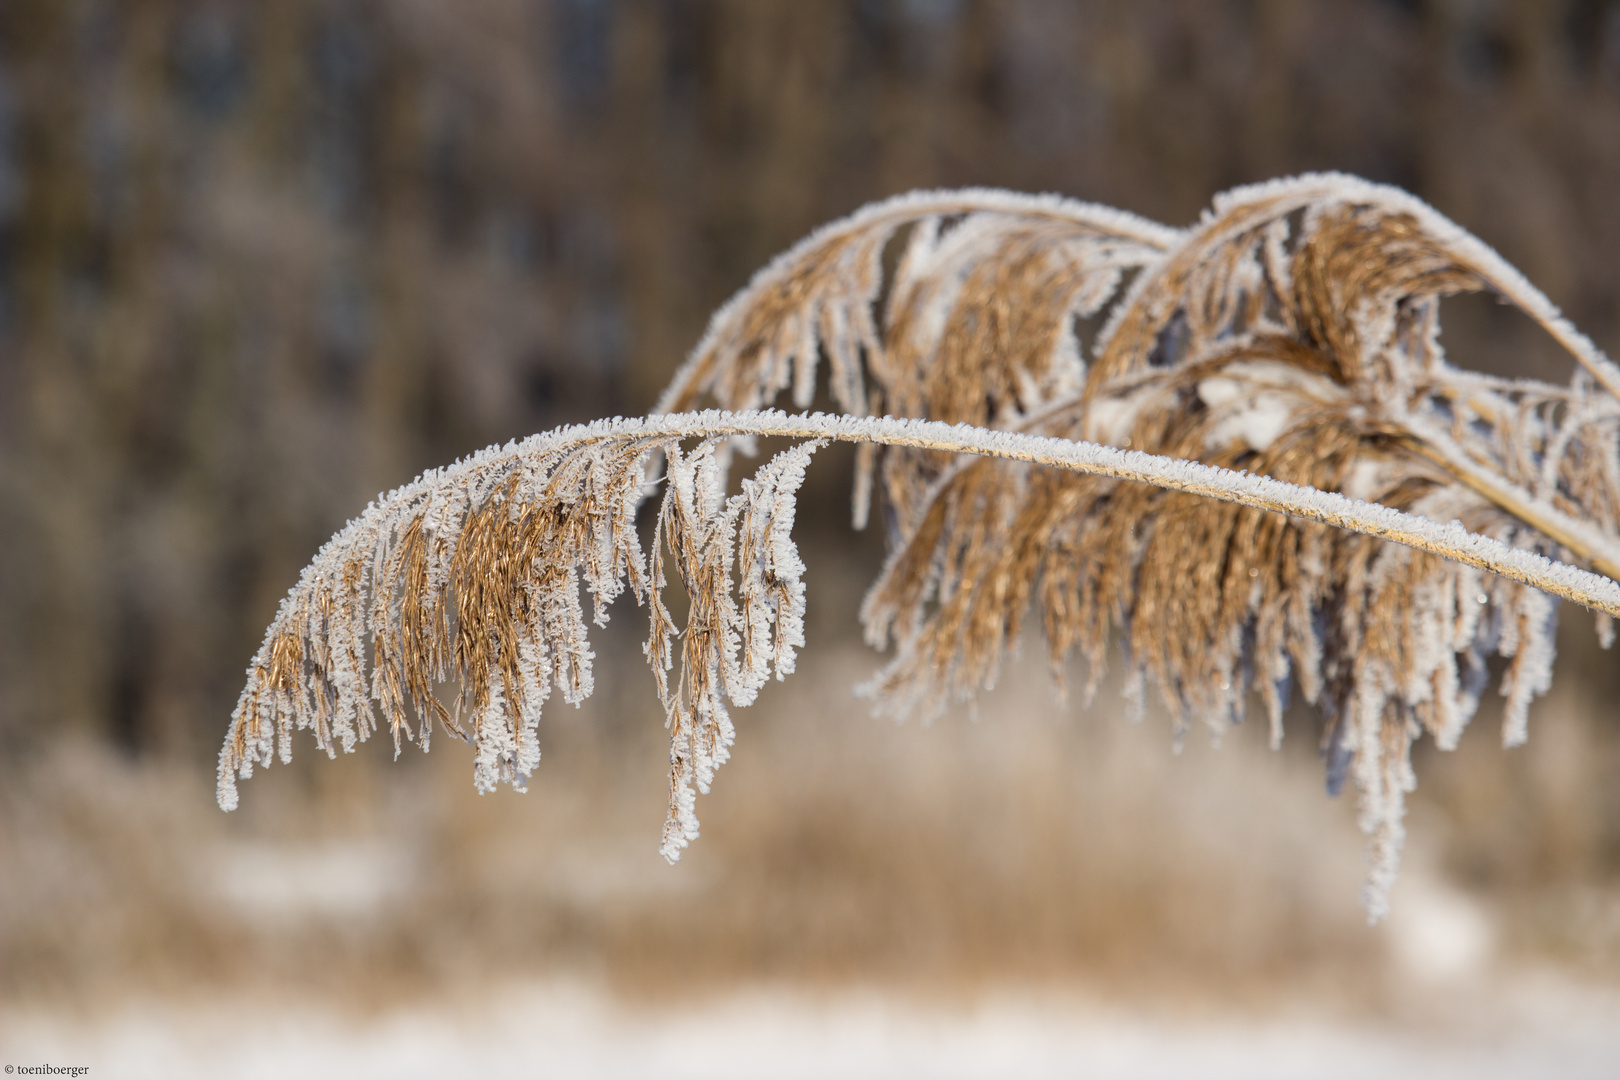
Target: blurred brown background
(259, 261)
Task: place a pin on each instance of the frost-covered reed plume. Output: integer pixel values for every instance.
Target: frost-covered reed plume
(1263, 477)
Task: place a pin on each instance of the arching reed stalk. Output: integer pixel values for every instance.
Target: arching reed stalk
(1265, 476)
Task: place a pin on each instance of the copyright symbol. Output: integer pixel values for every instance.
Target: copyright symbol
(8, 1070)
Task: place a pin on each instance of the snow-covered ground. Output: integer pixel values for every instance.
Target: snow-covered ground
(1550, 1029)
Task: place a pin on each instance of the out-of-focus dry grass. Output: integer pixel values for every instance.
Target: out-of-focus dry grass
(1033, 845)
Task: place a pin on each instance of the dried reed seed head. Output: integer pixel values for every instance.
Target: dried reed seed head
(473, 574)
(1293, 333)
(977, 325)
